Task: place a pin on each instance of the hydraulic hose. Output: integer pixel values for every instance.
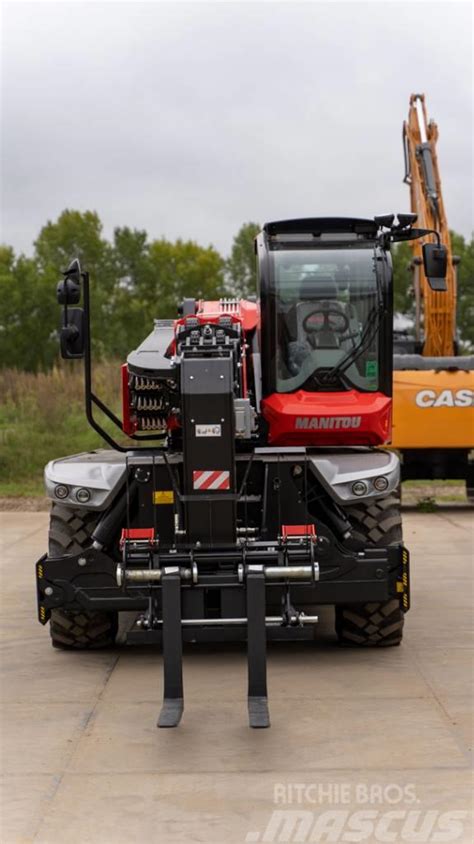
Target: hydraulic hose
(110, 524)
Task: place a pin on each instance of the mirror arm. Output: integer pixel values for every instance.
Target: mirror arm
(412, 234)
(88, 394)
(90, 398)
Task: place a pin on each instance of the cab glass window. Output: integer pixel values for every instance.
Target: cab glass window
(327, 308)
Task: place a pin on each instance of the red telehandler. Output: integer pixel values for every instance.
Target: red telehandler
(253, 487)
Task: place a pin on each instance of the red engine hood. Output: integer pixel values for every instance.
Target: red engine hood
(343, 419)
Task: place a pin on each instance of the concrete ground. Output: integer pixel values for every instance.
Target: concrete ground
(387, 733)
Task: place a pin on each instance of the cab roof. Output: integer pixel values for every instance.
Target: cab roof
(318, 225)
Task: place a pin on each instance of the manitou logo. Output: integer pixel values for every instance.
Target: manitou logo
(325, 423)
(445, 398)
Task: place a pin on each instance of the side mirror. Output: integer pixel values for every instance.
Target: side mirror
(435, 263)
(68, 291)
(72, 335)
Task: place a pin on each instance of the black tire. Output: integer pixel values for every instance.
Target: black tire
(81, 630)
(375, 624)
(70, 529)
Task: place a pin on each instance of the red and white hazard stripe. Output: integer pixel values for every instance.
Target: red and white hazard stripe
(211, 479)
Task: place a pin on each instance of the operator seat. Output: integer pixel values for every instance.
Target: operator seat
(321, 292)
(315, 291)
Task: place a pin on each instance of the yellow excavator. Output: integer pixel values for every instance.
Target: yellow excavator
(433, 413)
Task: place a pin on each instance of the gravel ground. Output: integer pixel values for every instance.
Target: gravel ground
(34, 504)
(385, 732)
(442, 493)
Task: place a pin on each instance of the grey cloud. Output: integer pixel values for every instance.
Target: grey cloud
(189, 119)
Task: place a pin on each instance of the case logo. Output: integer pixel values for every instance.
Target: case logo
(445, 398)
(325, 423)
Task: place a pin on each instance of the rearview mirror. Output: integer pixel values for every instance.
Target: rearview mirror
(72, 336)
(68, 291)
(435, 263)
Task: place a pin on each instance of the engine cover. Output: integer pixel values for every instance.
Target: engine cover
(341, 419)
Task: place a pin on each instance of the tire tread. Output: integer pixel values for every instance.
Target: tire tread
(373, 624)
(69, 533)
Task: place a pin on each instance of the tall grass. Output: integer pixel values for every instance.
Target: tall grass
(42, 417)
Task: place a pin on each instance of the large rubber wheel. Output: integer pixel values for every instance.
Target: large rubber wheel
(377, 523)
(70, 529)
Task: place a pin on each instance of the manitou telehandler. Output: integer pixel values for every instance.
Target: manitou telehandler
(251, 490)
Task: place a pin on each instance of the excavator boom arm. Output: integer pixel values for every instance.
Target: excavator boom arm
(435, 312)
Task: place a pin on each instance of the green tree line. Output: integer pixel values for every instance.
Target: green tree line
(134, 280)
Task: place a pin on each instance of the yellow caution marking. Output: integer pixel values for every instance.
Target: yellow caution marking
(163, 496)
(40, 571)
(400, 587)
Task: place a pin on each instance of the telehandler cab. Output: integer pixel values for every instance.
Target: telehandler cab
(253, 487)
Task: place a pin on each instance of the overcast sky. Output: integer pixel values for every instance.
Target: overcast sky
(190, 119)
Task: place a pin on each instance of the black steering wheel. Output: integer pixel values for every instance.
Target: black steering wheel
(326, 318)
